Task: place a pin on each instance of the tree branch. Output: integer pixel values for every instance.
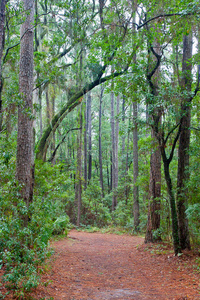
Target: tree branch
(170, 132)
(62, 141)
(74, 101)
(194, 128)
(174, 144)
(197, 85)
(44, 82)
(161, 16)
(11, 47)
(7, 50)
(158, 57)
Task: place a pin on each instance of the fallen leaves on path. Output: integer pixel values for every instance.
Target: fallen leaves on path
(96, 266)
(107, 266)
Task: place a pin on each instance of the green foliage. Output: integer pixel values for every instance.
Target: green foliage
(23, 248)
(193, 215)
(193, 183)
(25, 232)
(60, 224)
(122, 214)
(94, 210)
(53, 194)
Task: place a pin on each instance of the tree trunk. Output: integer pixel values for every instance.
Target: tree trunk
(79, 170)
(123, 154)
(108, 177)
(184, 142)
(116, 147)
(53, 142)
(136, 212)
(153, 222)
(100, 145)
(89, 103)
(40, 105)
(114, 198)
(24, 163)
(127, 186)
(175, 235)
(85, 146)
(2, 37)
(156, 118)
(47, 105)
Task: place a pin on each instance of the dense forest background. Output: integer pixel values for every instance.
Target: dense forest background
(99, 124)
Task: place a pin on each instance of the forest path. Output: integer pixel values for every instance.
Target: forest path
(108, 266)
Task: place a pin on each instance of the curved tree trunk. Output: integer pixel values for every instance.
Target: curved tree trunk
(74, 101)
(153, 222)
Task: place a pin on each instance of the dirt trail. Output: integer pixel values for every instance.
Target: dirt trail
(107, 266)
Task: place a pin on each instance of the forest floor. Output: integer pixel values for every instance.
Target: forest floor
(109, 266)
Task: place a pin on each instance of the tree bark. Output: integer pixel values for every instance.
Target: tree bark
(124, 135)
(89, 116)
(127, 185)
(2, 38)
(108, 177)
(53, 142)
(117, 147)
(184, 142)
(175, 235)
(153, 222)
(47, 105)
(85, 146)
(136, 210)
(158, 131)
(24, 162)
(40, 112)
(111, 171)
(79, 170)
(114, 198)
(100, 145)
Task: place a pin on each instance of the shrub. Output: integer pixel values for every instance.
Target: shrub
(122, 215)
(24, 247)
(60, 224)
(193, 214)
(94, 211)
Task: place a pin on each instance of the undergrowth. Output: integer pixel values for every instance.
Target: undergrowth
(107, 229)
(25, 232)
